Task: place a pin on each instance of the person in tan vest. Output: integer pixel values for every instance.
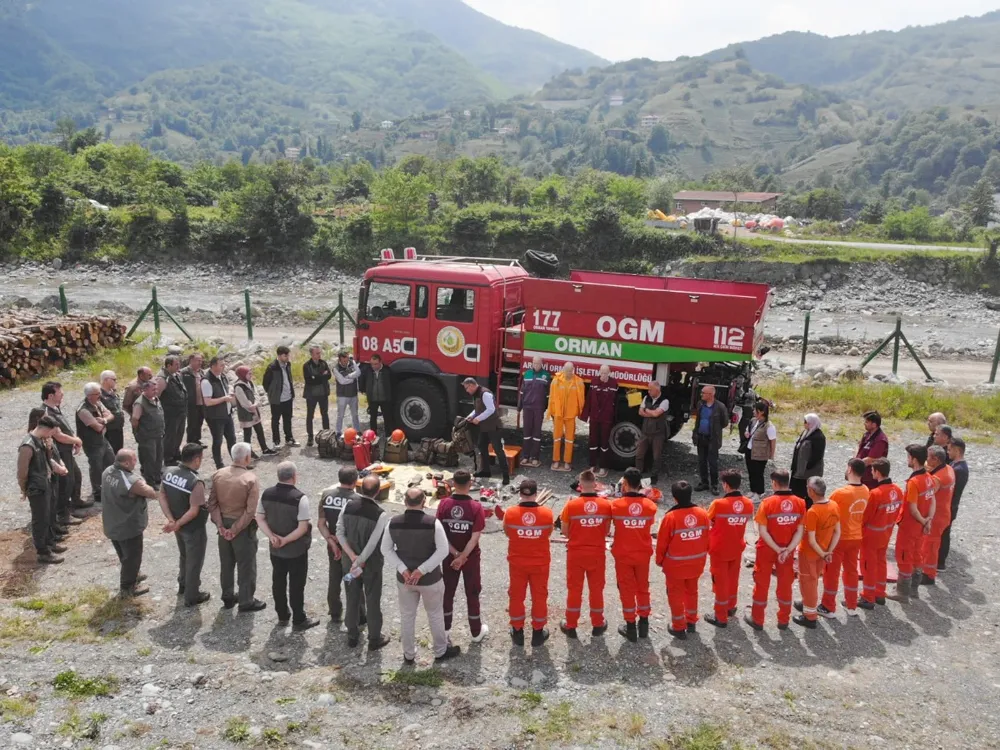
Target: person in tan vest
(761, 440)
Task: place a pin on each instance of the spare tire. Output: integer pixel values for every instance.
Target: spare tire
(541, 264)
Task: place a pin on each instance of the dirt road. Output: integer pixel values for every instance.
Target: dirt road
(962, 374)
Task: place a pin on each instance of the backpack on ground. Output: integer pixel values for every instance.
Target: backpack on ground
(328, 444)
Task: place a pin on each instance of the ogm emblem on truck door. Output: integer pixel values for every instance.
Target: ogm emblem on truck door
(450, 341)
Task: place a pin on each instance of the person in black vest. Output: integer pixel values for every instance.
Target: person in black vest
(92, 420)
(378, 391)
(174, 399)
(415, 544)
(346, 373)
(653, 410)
(183, 502)
(334, 500)
(68, 500)
(316, 376)
(283, 517)
(115, 432)
(281, 395)
(148, 430)
(192, 376)
(218, 409)
(34, 476)
(485, 417)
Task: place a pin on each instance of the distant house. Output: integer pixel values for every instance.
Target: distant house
(428, 135)
(292, 153)
(467, 113)
(692, 201)
(505, 130)
(387, 124)
(616, 100)
(649, 121)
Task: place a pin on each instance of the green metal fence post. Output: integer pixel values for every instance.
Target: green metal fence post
(895, 344)
(156, 313)
(246, 299)
(341, 311)
(176, 322)
(63, 304)
(913, 353)
(996, 361)
(138, 322)
(805, 341)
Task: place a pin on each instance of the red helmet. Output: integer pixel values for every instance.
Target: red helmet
(369, 436)
(398, 436)
(350, 435)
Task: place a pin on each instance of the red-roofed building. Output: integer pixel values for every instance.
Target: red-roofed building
(692, 201)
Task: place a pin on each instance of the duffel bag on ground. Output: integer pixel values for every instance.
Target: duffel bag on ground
(328, 444)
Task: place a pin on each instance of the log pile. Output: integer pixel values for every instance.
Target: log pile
(31, 344)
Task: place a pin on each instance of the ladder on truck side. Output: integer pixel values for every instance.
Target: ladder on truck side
(510, 358)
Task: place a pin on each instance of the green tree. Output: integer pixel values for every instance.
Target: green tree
(659, 140)
(660, 194)
(17, 200)
(65, 129)
(399, 199)
(356, 121)
(873, 212)
(476, 180)
(979, 205)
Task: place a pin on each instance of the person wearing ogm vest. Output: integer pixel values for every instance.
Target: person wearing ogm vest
(487, 421)
(414, 545)
(283, 517)
(682, 551)
(183, 502)
(148, 428)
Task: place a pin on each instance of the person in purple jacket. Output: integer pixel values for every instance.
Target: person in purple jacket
(532, 402)
(602, 398)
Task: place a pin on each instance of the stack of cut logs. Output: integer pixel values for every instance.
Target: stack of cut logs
(31, 344)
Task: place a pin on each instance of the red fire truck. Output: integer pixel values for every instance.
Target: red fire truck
(436, 320)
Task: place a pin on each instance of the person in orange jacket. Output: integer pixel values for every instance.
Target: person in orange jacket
(729, 516)
(633, 515)
(881, 513)
(781, 525)
(816, 551)
(585, 521)
(852, 501)
(528, 527)
(567, 398)
(915, 520)
(682, 550)
(944, 479)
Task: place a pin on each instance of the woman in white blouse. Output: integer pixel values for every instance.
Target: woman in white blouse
(761, 440)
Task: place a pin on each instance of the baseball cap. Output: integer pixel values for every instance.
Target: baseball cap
(470, 381)
(528, 487)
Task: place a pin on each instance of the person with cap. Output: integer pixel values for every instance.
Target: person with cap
(92, 421)
(915, 520)
(873, 446)
(956, 459)
(148, 428)
(332, 502)
(600, 411)
(944, 482)
(807, 456)
(486, 419)
(68, 499)
(633, 515)
(316, 376)
(134, 388)
(280, 389)
(585, 521)
(173, 396)
(414, 545)
(183, 502)
(35, 467)
(532, 400)
(232, 506)
(852, 503)
(681, 551)
(711, 419)
(218, 408)
(729, 516)
(125, 518)
(360, 527)
(653, 409)
(346, 374)
(881, 515)
(284, 518)
(248, 410)
(567, 397)
(115, 432)
(378, 392)
(934, 421)
(192, 375)
(464, 522)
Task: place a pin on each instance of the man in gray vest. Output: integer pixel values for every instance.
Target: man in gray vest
(34, 477)
(115, 432)
(486, 418)
(283, 517)
(280, 394)
(148, 428)
(360, 527)
(415, 544)
(333, 501)
(125, 518)
(653, 410)
(218, 409)
(68, 499)
(174, 400)
(183, 502)
(92, 420)
(346, 372)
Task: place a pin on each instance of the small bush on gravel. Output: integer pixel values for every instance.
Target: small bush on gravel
(72, 684)
(531, 699)
(418, 678)
(237, 730)
(17, 709)
(76, 727)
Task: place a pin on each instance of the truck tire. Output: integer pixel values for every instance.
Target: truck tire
(625, 434)
(421, 409)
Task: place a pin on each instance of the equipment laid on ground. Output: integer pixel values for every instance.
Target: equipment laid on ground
(436, 320)
(397, 450)
(328, 444)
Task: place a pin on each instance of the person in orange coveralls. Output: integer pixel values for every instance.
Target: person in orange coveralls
(729, 516)
(944, 478)
(816, 550)
(528, 527)
(682, 550)
(852, 501)
(633, 515)
(881, 514)
(781, 524)
(915, 519)
(585, 521)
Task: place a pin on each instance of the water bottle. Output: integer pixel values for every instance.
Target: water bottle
(352, 575)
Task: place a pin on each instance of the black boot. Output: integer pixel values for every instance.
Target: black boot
(628, 631)
(567, 630)
(644, 627)
(517, 636)
(539, 636)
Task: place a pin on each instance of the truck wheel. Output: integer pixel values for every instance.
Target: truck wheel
(625, 434)
(421, 409)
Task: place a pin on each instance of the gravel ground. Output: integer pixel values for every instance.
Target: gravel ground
(926, 675)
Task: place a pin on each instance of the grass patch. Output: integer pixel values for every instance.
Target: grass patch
(71, 684)
(285, 701)
(17, 709)
(78, 727)
(83, 616)
(144, 651)
(531, 699)
(415, 677)
(558, 726)
(310, 316)
(237, 730)
(702, 737)
(789, 697)
(635, 726)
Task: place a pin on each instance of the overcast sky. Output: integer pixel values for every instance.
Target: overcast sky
(663, 30)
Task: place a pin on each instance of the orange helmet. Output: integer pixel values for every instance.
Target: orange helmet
(398, 436)
(350, 435)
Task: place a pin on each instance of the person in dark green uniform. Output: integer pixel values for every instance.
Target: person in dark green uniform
(148, 429)
(125, 518)
(332, 501)
(34, 476)
(92, 423)
(183, 502)
(174, 399)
